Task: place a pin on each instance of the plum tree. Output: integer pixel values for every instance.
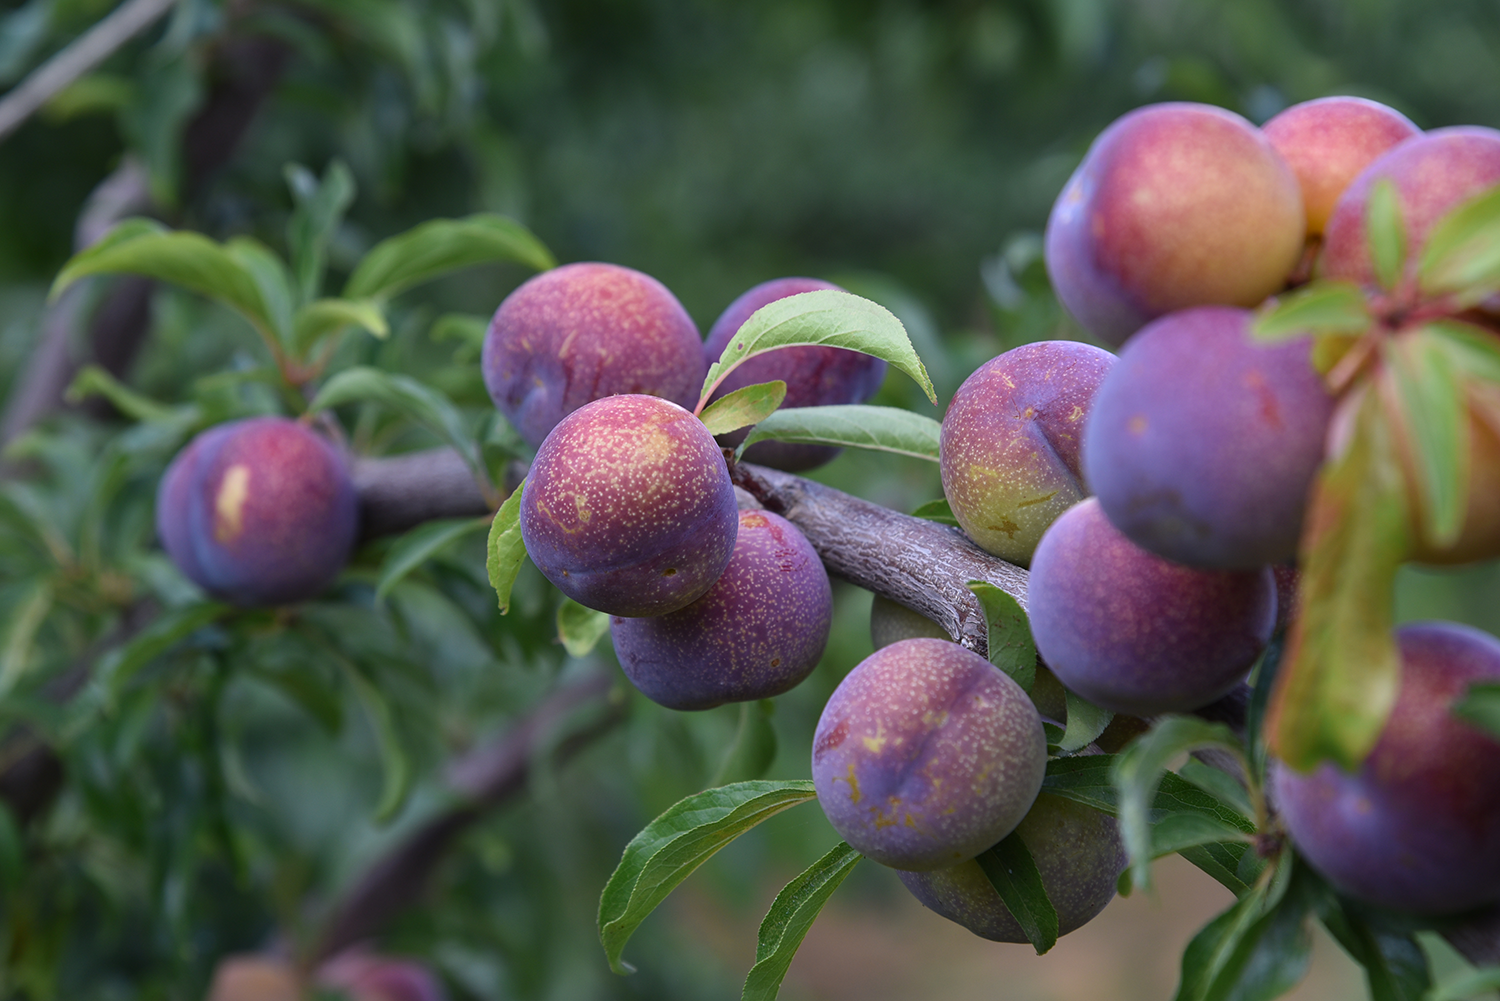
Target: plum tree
(757, 633)
(628, 507)
(259, 511)
(926, 754)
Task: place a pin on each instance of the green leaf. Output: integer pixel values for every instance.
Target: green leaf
(1481, 706)
(468, 330)
(92, 380)
(505, 550)
(1234, 865)
(272, 280)
(828, 317)
(437, 247)
(680, 840)
(1395, 964)
(1473, 350)
(754, 747)
(1258, 954)
(1427, 409)
(1337, 681)
(1007, 633)
(1013, 873)
(143, 247)
(317, 320)
(419, 545)
(936, 510)
(1218, 784)
(743, 407)
(1467, 985)
(117, 668)
(1326, 306)
(411, 399)
(1462, 253)
(20, 633)
(1086, 722)
(1386, 232)
(580, 628)
(1084, 779)
(878, 429)
(1210, 950)
(395, 766)
(320, 207)
(791, 915)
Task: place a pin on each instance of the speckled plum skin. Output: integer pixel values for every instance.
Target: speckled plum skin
(258, 512)
(1417, 828)
(1433, 173)
(1175, 205)
(1327, 142)
(758, 632)
(1080, 857)
(814, 376)
(1202, 444)
(1135, 633)
(628, 507)
(582, 332)
(1010, 443)
(926, 755)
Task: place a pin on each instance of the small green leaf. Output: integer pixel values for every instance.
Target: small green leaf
(743, 407)
(1210, 950)
(420, 545)
(437, 247)
(1325, 306)
(754, 748)
(505, 550)
(827, 317)
(468, 330)
(1086, 722)
(1177, 831)
(1427, 409)
(1218, 784)
(1386, 232)
(1259, 960)
(1395, 964)
(395, 766)
(117, 668)
(1474, 350)
(676, 843)
(317, 320)
(1468, 985)
(580, 628)
(878, 429)
(791, 915)
(272, 280)
(92, 380)
(320, 207)
(1084, 779)
(1007, 633)
(20, 633)
(1481, 706)
(1462, 253)
(936, 510)
(1014, 875)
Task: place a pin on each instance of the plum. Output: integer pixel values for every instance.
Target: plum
(582, 332)
(1138, 634)
(1417, 827)
(926, 754)
(1077, 851)
(815, 376)
(1010, 443)
(758, 632)
(260, 511)
(1202, 444)
(1175, 205)
(628, 507)
(1327, 142)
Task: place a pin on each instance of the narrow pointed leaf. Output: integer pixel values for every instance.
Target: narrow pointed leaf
(827, 317)
(20, 633)
(743, 407)
(395, 765)
(1013, 873)
(1177, 831)
(320, 207)
(1273, 954)
(791, 915)
(1462, 253)
(318, 319)
(1211, 948)
(1321, 307)
(936, 510)
(419, 545)
(436, 248)
(1218, 784)
(272, 280)
(505, 551)
(1481, 706)
(1086, 722)
(1395, 964)
(117, 668)
(1473, 350)
(879, 429)
(95, 381)
(1428, 409)
(1386, 232)
(754, 748)
(580, 629)
(1007, 633)
(676, 843)
(1468, 985)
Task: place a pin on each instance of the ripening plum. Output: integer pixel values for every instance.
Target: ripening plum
(260, 511)
(1202, 445)
(1175, 205)
(1137, 634)
(628, 507)
(758, 632)
(1327, 142)
(1010, 443)
(815, 376)
(582, 332)
(926, 755)
(1417, 827)
(1077, 851)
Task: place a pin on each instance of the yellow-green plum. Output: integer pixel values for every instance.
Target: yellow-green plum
(758, 632)
(926, 754)
(1078, 854)
(628, 507)
(582, 332)
(1175, 205)
(259, 511)
(1135, 633)
(1010, 443)
(1417, 826)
